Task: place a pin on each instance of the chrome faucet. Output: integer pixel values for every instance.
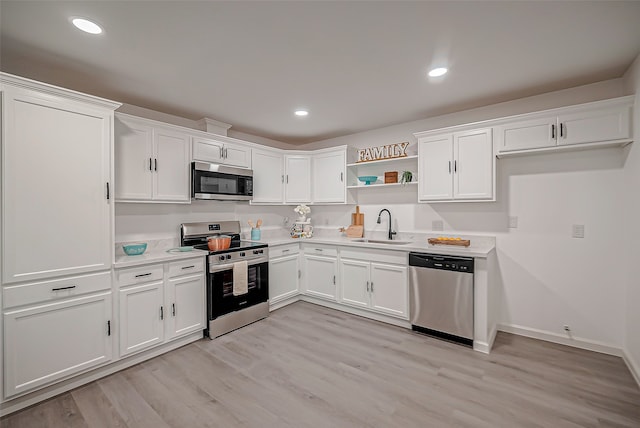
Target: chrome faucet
(391, 232)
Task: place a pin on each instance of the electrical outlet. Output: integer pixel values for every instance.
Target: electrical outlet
(567, 328)
(437, 225)
(513, 222)
(577, 231)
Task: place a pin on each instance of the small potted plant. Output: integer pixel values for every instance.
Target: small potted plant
(407, 177)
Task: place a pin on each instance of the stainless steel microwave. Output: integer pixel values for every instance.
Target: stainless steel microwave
(219, 182)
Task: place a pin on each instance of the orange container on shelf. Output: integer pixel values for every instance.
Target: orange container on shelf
(391, 177)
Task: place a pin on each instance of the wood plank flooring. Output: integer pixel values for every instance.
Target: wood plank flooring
(309, 366)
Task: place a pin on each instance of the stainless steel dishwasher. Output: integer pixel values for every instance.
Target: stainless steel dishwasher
(441, 296)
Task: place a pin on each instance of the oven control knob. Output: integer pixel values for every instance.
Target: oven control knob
(242, 254)
(221, 257)
(255, 251)
(228, 256)
(261, 251)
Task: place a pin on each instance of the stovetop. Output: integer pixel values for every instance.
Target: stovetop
(235, 246)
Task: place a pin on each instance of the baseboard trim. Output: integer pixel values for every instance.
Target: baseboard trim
(355, 311)
(576, 342)
(76, 381)
(284, 302)
(633, 367)
(485, 347)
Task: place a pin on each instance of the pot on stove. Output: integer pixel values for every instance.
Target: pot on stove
(218, 242)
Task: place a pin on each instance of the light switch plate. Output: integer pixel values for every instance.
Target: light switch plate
(437, 225)
(578, 231)
(513, 222)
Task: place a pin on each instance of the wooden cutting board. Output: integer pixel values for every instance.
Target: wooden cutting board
(354, 231)
(461, 242)
(357, 218)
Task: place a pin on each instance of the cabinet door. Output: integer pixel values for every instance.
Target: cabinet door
(268, 177)
(141, 317)
(235, 155)
(207, 150)
(320, 276)
(473, 165)
(51, 341)
(354, 282)
(185, 303)
(55, 169)
(435, 168)
(329, 177)
(389, 289)
(527, 134)
(297, 179)
(283, 278)
(133, 161)
(594, 126)
(171, 166)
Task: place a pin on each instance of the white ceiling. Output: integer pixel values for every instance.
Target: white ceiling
(355, 65)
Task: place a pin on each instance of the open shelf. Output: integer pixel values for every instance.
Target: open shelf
(362, 186)
(383, 161)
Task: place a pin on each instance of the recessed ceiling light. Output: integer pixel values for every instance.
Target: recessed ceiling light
(301, 113)
(86, 25)
(437, 72)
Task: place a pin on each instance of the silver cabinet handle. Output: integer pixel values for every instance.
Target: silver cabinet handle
(286, 251)
(143, 274)
(283, 178)
(221, 152)
(173, 309)
(63, 288)
(319, 249)
(109, 328)
(299, 273)
(161, 313)
(188, 267)
(367, 285)
(287, 178)
(449, 167)
(226, 153)
(341, 176)
(150, 162)
(372, 286)
(455, 166)
(553, 131)
(334, 280)
(563, 134)
(155, 164)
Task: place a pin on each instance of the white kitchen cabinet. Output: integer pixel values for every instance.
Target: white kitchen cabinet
(284, 272)
(381, 287)
(297, 179)
(268, 176)
(599, 123)
(160, 302)
(185, 297)
(320, 271)
(152, 162)
(329, 177)
(457, 166)
(222, 151)
(52, 340)
(141, 317)
(56, 181)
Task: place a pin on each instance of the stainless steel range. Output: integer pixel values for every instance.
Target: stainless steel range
(228, 309)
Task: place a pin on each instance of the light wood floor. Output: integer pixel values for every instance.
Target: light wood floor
(308, 366)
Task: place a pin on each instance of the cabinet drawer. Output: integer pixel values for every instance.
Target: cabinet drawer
(283, 250)
(139, 275)
(26, 294)
(374, 255)
(186, 267)
(320, 250)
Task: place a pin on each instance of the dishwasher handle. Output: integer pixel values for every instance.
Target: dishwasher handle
(436, 261)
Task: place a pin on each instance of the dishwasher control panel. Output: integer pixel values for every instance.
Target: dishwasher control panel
(435, 261)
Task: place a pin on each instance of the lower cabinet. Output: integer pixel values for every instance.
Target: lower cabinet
(320, 272)
(55, 329)
(377, 286)
(284, 271)
(159, 302)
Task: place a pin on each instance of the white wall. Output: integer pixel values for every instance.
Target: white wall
(632, 229)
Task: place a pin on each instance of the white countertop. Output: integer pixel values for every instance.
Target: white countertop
(155, 256)
(481, 246)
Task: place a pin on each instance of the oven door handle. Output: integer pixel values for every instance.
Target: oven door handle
(222, 268)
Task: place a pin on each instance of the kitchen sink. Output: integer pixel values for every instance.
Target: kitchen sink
(381, 241)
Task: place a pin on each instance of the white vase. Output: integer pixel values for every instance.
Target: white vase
(302, 218)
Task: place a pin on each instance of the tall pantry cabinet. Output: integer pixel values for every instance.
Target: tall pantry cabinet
(57, 232)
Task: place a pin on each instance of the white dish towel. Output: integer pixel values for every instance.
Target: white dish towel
(240, 273)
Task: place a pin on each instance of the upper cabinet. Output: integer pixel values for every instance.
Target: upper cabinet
(221, 151)
(56, 180)
(596, 124)
(456, 166)
(297, 179)
(329, 176)
(268, 176)
(152, 162)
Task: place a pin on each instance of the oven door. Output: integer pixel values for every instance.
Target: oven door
(218, 182)
(220, 298)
